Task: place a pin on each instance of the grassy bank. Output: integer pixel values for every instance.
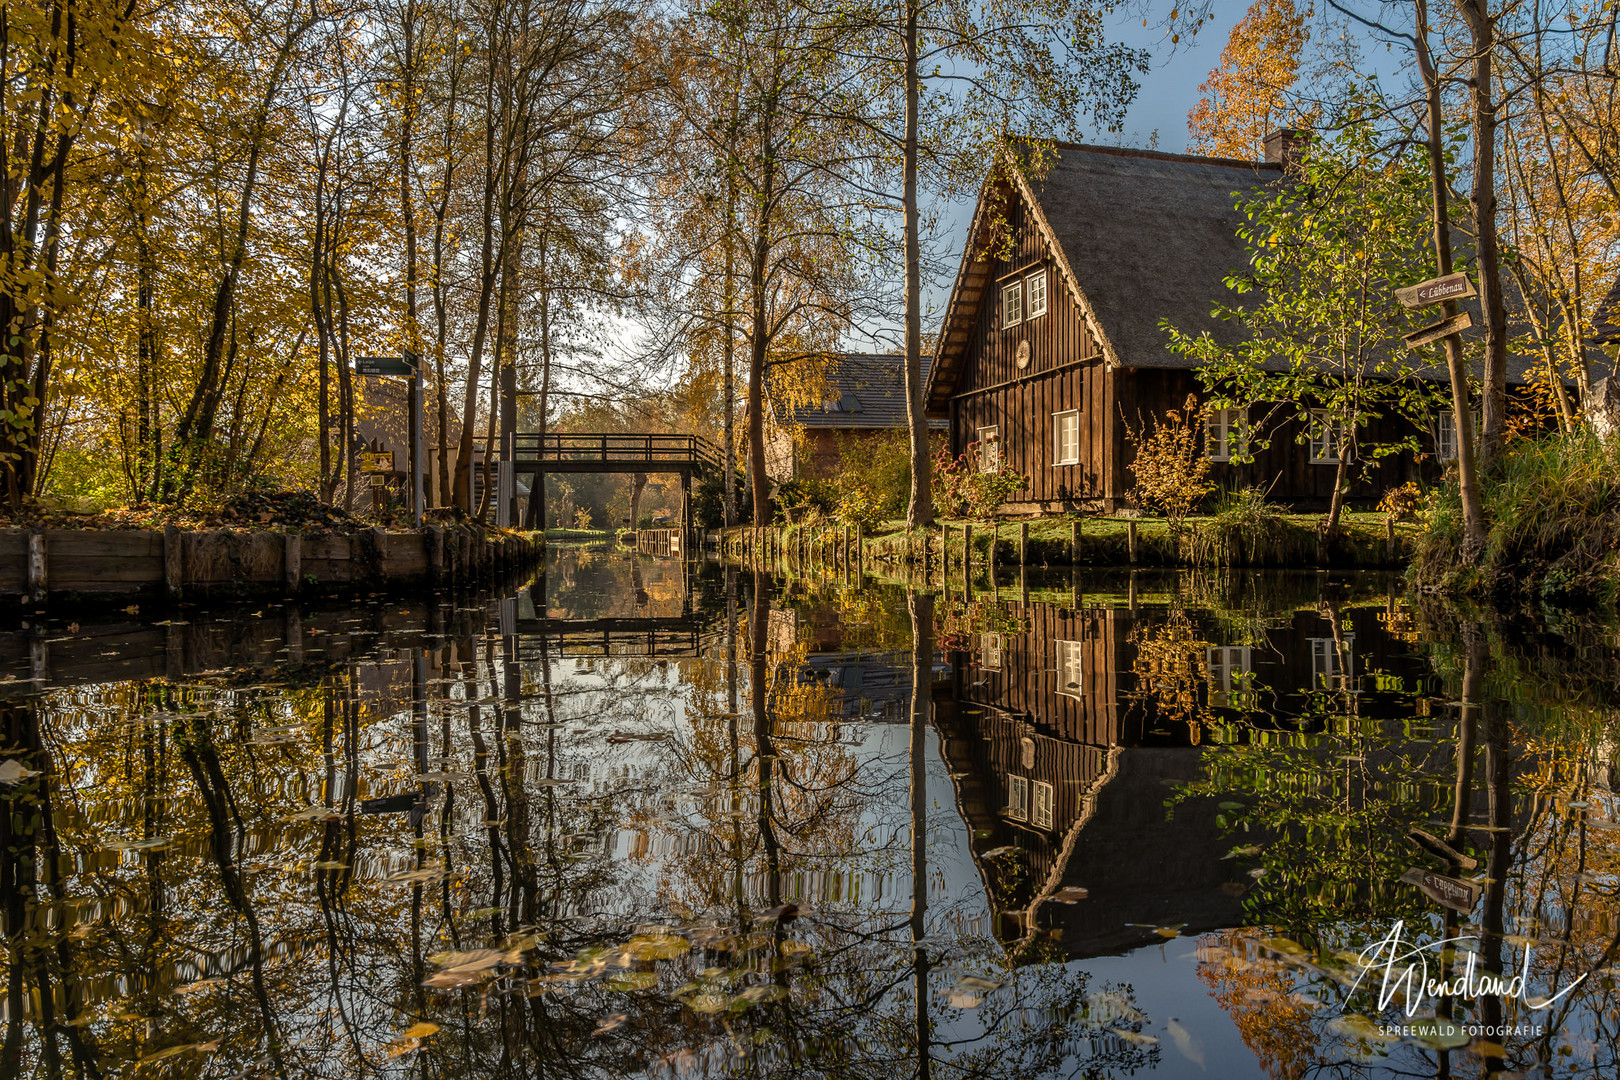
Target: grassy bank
(1244, 536)
(1553, 512)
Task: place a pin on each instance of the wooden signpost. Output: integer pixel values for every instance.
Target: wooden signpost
(1453, 892)
(1444, 328)
(1436, 290)
(407, 366)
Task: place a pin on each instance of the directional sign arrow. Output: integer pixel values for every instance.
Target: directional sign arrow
(1443, 328)
(1450, 287)
(384, 365)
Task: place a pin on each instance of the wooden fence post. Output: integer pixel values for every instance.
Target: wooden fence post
(1130, 539)
(1074, 542)
(174, 562)
(1389, 538)
(292, 560)
(38, 580)
(1023, 542)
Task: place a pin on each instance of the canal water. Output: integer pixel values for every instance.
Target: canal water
(637, 819)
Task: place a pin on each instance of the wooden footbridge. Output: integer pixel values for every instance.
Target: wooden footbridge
(537, 455)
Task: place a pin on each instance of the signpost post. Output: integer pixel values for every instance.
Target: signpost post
(408, 366)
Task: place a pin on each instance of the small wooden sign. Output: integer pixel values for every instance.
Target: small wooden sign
(397, 366)
(1444, 328)
(1453, 892)
(376, 461)
(1450, 287)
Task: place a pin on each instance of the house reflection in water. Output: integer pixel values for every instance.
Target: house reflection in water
(1068, 736)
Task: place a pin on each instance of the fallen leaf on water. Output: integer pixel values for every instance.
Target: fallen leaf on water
(462, 968)
(761, 995)
(658, 946)
(1135, 1038)
(1167, 931)
(630, 981)
(608, 1023)
(419, 1031)
(1185, 1043)
(1069, 894)
(13, 772)
(961, 999)
(708, 1002)
(1356, 1026)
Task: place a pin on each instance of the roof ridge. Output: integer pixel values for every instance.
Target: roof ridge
(1161, 155)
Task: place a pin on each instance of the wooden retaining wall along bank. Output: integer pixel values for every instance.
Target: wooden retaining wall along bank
(91, 564)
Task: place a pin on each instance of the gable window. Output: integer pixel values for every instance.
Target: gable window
(1018, 798)
(1329, 439)
(1036, 286)
(1066, 438)
(1445, 437)
(1012, 304)
(1071, 668)
(989, 449)
(1226, 435)
(1045, 798)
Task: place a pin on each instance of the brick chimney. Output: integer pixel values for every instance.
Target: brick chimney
(1285, 146)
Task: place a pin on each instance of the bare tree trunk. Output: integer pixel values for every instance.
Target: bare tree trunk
(1482, 29)
(1473, 506)
(920, 508)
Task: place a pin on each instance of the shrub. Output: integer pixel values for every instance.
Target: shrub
(962, 489)
(582, 518)
(1402, 503)
(1171, 471)
(1246, 530)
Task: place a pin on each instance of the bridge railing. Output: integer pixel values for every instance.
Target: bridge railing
(616, 448)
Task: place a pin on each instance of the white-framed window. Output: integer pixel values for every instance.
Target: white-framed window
(1045, 800)
(1331, 668)
(1226, 434)
(1445, 437)
(1329, 439)
(1035, 285)
(1230, 674)
(1071, 667)
(1018, 798)
(990, 652)
(1066, 438)
(989, 449)
(1012, 304)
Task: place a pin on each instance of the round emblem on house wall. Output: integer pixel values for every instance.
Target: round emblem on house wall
(1022, 355)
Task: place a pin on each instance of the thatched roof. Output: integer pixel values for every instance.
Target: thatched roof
(1138, 237)
(1147, 237)
(865, 390)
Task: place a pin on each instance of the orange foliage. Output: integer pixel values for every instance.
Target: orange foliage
(1245, 97)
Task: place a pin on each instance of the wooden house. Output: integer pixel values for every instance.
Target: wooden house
(1052, 343)
(865, 397)
(1062, 755)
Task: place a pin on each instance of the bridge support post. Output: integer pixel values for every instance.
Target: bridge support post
(686, 514)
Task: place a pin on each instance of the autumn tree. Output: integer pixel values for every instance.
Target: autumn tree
(1247, 97)
(1321, 358)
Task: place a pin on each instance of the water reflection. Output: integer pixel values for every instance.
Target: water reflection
(637, 819)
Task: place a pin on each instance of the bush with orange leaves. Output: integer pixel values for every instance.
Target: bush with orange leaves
(1171, 471)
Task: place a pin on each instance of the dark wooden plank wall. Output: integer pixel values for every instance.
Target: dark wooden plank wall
(1027, 680)
(1065, 372)
(1283, 469)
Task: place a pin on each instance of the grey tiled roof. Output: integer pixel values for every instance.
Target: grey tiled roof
(866, 390)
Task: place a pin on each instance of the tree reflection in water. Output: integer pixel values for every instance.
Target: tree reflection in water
(864, 833)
